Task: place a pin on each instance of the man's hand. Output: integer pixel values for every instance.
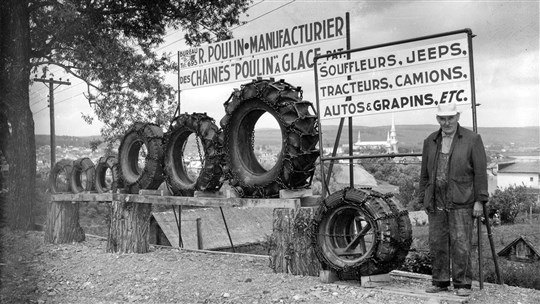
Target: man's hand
(478, 210)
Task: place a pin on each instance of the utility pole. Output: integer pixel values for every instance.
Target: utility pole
(50, 83)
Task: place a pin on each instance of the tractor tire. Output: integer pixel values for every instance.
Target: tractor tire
(102, 184)
(403, 240)
(353, 233)
(295, 163)
(151, 175)
(82, 167)
(176, 174)
(55, 184)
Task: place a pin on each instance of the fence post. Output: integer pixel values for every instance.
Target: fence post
(199, 233)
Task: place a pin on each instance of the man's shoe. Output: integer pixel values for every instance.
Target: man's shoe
(463, 292)
(436, 289)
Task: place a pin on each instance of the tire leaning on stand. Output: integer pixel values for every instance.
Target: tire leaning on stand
(295, 164)
(65, 165)
(107, 163)
(151, 176)
(343, 216)
(211, 143)
(82, 166)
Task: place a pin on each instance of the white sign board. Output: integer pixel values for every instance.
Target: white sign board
(274, 53)
(396, 77)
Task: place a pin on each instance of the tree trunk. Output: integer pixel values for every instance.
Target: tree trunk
(18, 142)
(291, 250)
(129, 227)
(63, 223)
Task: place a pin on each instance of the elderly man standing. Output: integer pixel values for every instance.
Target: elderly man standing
(453, 187)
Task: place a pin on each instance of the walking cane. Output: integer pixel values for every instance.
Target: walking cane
(490, 237)
(480, 258)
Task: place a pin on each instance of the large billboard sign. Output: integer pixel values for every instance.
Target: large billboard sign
(274, 53)
(401, 76)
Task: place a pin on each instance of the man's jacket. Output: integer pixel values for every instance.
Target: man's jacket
(467, 176)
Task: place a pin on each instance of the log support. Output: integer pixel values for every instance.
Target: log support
(290, 245)
(129, 227)
(63, 223)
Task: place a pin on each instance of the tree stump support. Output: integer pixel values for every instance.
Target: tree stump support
(129, 227)
(290, 245)
(63, 223)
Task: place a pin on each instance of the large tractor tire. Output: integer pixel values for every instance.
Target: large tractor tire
(177, 176)
(140, 139)
(107, 182)
(82, 175)
(295, 163)
(403, 240)
(354, 233)
(60, 176)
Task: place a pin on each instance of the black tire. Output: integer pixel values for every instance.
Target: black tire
(295, 165)
(82, 175)
(211, 143)
(151, 176)
(403, 239)
(103, 183)
(60, 176)
(353, 233)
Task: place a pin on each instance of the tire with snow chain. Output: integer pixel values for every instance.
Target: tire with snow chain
(354, 232)
(144, 140)
(211, 144)
(60, 176)
(295, 163)
(404, 238)
(107, 176)
(82, 175)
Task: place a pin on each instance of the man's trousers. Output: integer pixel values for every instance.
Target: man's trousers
(450, 238)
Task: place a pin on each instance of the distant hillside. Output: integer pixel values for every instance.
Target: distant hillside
(409, 136)
(63, 141)
(412, 136)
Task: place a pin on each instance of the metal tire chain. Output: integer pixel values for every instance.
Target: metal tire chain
(157, 177)
(79, 163)
(378, 264)
(237, 98)
(212, 172)
(63, 164)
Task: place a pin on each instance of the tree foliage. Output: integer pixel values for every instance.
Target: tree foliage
(510, 202)
(405, 176)
(110, 45)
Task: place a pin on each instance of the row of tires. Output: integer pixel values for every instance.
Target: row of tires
(83, 175)
(228, 151)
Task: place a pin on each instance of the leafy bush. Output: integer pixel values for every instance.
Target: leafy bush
(417, 262)
(510, 201)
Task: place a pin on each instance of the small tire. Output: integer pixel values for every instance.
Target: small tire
(65, 166)
(104, 183)
(83, 167)
(353, 233)
(295, 163)
(176, 174)
(151, 175)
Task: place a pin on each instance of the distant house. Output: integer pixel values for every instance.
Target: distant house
(519, 173)
(362, 179)
(520, 250)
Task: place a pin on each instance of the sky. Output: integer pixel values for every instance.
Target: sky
(505, 54)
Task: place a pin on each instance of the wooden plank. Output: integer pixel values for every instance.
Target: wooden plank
(446, 297)
(179, 200)
(82, 197)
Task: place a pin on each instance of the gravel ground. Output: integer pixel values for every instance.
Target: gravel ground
(34, 272)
